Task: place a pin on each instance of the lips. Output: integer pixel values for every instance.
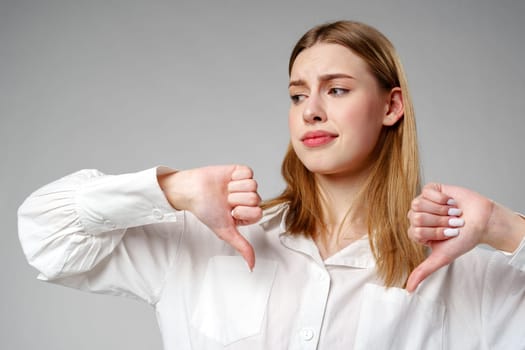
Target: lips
(317, 138)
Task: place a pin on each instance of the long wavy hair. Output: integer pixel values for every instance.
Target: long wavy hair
(394, 179)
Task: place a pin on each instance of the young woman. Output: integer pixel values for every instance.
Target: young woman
(322, 266)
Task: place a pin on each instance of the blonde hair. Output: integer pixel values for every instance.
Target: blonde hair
(395, 175)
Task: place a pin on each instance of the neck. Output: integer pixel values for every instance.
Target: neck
(340, 202)
(343, 215)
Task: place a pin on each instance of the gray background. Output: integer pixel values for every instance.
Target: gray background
(126, 85)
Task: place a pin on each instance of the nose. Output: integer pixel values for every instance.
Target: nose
(314, 111)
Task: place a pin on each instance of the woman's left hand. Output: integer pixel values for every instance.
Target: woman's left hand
(452, 220)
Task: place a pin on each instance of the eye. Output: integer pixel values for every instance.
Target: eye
(297, 98)
(338, 91)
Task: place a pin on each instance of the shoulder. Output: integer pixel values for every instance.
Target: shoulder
(471, 273)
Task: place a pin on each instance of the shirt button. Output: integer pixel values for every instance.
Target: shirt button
(109, 224)
(307, 334)
(157, 214)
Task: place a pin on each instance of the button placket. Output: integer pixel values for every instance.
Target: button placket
(311, 318)
(324, 277)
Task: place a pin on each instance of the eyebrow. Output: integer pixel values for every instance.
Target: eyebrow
(322, 78)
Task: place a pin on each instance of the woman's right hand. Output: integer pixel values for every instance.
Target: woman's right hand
(222, 197)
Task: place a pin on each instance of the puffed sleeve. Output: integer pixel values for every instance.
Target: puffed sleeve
(503, 300)
(112, 234)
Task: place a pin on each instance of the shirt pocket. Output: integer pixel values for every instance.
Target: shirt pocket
(394, 319)
(233, 301)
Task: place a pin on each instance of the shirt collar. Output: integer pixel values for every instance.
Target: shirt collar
(356, 255)
(275, 215)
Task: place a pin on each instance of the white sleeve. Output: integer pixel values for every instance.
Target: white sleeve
(517, 259)
(503, 300)
(102, 233)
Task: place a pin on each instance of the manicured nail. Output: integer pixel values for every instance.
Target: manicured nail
(451, 232)
(454, 211)
(456, 222)
(451, 201)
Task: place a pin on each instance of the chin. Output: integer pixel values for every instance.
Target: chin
(324, 169)
(337, 170)
(330, 164)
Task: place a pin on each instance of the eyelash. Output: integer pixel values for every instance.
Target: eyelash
(296, 98)
(332, 91)
(338, 91)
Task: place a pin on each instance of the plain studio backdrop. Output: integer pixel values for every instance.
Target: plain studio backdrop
(126, 85)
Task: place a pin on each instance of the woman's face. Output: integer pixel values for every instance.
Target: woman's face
(337, 110)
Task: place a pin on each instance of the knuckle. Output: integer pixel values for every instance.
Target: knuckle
(417, 219)
(441, 232)
(247, 171)
(434, 186)
(411, 233)
(428, 185)
(250, 185)
(445, 222)
(242, 172)
(254, 199)
(416, 204)
(419, 234)
(255, 214)
(425, 191)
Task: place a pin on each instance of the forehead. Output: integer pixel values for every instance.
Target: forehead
(326, 58)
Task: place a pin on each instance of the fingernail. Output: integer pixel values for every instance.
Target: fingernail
(456, 222)
(451, 201)
(451, 232)
(454, 211)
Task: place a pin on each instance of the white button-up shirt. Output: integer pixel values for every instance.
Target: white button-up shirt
(118, 235)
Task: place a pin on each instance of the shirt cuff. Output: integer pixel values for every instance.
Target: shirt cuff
(122, 201)
(517, 258)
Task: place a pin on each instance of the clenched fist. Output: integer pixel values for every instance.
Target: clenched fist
(222, 197)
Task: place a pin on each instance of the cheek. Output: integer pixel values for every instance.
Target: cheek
(293, 130)
(292, 121)
(369, 113)
(363, 122)
(368, 132)
(359, 117)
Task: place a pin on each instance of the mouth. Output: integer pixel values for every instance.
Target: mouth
(318, 138)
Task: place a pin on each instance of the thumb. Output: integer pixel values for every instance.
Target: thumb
(425, 269)
(233, 237)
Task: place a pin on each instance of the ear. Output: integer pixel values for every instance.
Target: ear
(394, 110)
